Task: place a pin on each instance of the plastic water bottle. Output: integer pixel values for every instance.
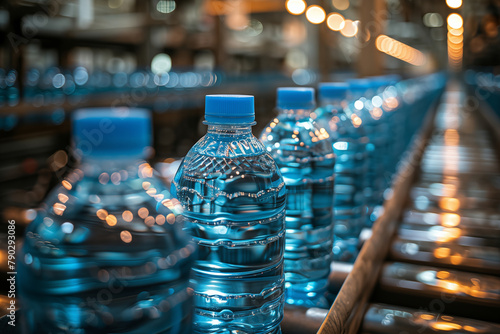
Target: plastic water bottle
(382, 140)
(349, 145)
(234, 203)
(360, 94)
(394, 118)
(304, 154)
(106, 252)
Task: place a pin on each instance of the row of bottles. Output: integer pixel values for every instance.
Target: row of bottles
(53, 85)
(484, 88)
(108, 250)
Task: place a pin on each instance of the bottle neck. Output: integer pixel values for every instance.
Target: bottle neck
(230, 130)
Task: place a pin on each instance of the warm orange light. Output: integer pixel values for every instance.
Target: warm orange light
(59, 208)
(441, 252)
(102, 214)
(66, 185)
(62, 197)
(455, 51)
(455, 21)
(315, 14)
(149, 221)
(454, 232)
(160, 219)
(451, 137)
(456, 259)
(450, 219)
(454, 3)
(399, 50)
(449, 190)
(455, 39)
(376, 113)
(350, 29)
(446, 326)
(391, 103)
(455, 57)
(296, 7)
(356, 120)
(457, 47)
(145, 170)
(143, 212)
(442, 274)
(111, 220)
(127, 216)
(456, 32)
(126, 236)
(340, 4)
(427, 316)
(171, 218)
(449, 285)
(472, 329)
(448, 234)
(449, 203)
(335, 21)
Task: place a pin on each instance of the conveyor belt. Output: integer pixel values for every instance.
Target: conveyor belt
(440, 270)
(446, 274)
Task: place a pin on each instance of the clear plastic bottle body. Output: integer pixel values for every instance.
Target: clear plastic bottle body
(375, 178)
(349, 145)
(107, 254)
(305, 157)
(395, 132)
(234, 201)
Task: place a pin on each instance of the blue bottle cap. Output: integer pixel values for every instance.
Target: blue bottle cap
(332, 90)
(295, 98)
(229, 109)
(114, 133)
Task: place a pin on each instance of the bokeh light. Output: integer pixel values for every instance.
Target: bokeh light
(335, 21)
(350, 29)
(399, 50)
(315, 14)
(340, 4)
(165, 6)
(455, 21)
(296, 7)
(161, 63)
(454, 3)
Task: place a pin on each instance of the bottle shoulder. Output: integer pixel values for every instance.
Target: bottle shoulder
(227, 146)
(302, 137)
(229, 180)
(100, 212)
(241, 155)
